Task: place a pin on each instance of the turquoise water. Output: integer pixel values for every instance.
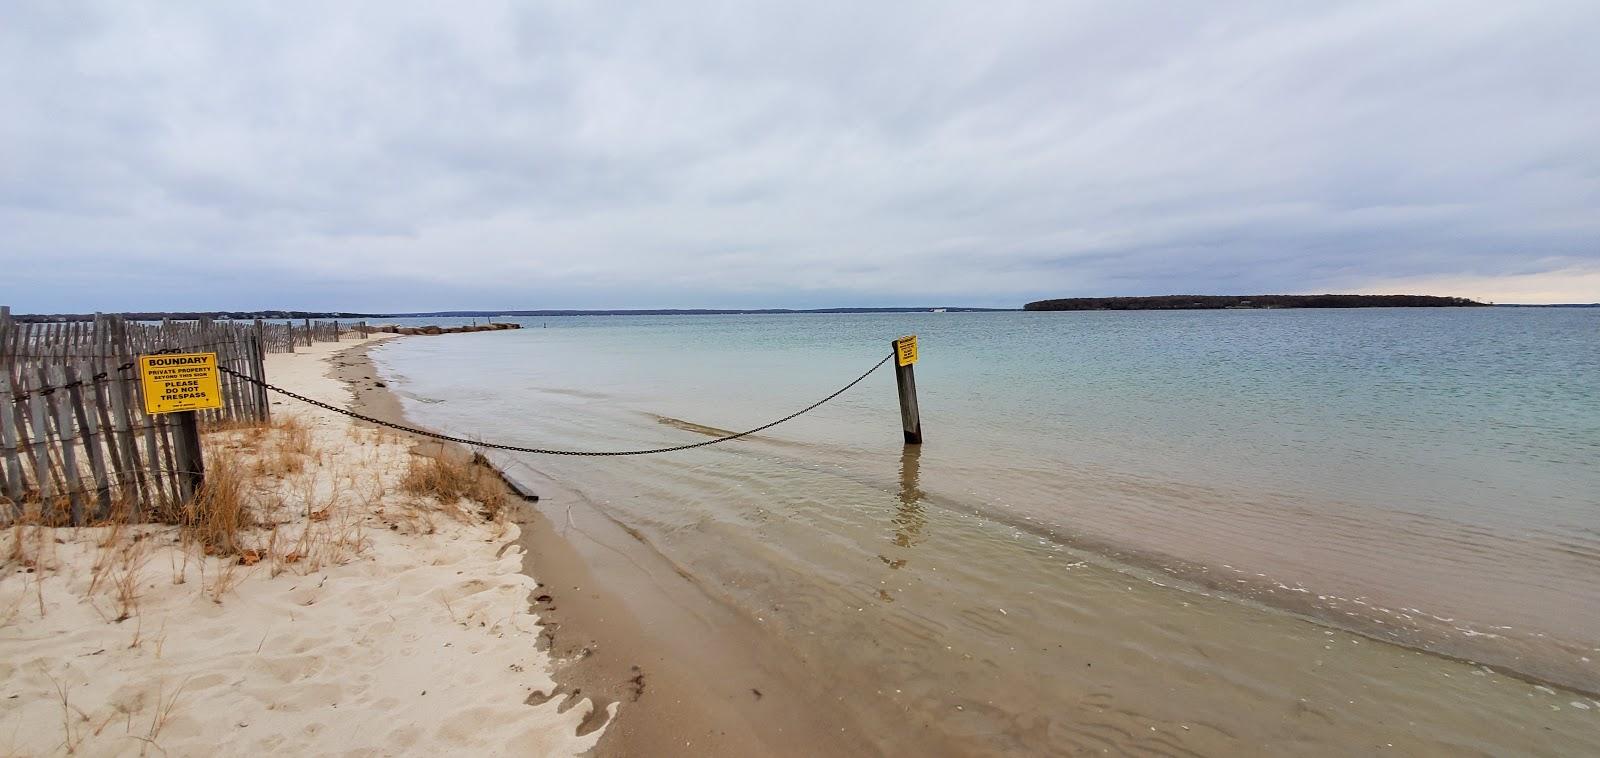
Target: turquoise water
(1426, 476)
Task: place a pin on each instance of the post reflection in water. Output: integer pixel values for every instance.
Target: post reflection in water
(909, 518)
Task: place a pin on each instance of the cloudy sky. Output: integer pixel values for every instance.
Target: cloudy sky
(398, 156)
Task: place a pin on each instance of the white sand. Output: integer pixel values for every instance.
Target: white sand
(398, 627)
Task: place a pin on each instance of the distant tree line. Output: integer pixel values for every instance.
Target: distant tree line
(1218, 302)
(696, 312)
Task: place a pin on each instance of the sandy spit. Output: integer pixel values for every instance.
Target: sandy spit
(372, 623)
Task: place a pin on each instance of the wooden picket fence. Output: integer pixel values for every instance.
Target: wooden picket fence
(75, 443)
(284, 337)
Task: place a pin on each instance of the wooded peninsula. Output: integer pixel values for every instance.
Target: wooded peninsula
(1219, 302)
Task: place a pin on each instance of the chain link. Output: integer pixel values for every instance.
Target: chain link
(544, 451)
(103, 376)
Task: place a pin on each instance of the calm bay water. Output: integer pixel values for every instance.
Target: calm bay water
(1174, 493)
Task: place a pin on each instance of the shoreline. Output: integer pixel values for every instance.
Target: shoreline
(1265, 596)
(693, 676)
(863, 657)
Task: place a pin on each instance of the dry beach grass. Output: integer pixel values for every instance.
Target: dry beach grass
(329, 591)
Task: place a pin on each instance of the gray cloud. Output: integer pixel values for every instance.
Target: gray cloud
(399, 155)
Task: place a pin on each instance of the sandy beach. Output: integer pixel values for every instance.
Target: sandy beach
(356, 618)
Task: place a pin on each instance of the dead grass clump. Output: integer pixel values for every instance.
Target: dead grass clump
(227, 576)
(119, 562)
(22, 548)
(450, 479)
(27, 550)
(250, 427)
(221, 509)
(293, 435)
(56, 512)
(162, 713)
(278, 462)
(289, 451)
(125, 581)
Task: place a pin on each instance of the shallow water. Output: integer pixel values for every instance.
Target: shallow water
(1120, 523)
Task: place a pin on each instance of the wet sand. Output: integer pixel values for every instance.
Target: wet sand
(694, 677)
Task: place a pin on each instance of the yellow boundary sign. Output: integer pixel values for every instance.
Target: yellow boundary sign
(905, 352)
(180, 382)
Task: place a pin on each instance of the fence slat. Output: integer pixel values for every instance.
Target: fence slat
(152, 459)
(66, 438)
(132, 471)
(41, 450)
(89, 425)
(102, 393)
(14, 483)
(42, 432)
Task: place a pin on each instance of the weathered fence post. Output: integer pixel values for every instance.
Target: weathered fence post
(191, 464)
(905, 354)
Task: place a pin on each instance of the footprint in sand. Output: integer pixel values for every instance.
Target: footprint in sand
(291, 668)
(306, 697)
(204, 682)
(130, 698)
(310, 643)
(404, 737)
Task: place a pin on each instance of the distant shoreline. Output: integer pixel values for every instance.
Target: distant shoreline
(1249, 302)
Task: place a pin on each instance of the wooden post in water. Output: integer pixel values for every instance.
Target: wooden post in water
(905, 355)
(191, 465)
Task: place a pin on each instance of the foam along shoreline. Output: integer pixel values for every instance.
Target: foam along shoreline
(358, 618)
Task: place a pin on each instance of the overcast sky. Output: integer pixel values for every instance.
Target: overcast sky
(398, 156)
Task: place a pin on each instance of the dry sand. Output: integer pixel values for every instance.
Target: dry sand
(373, 624)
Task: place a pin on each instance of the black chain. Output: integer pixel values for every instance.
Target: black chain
(103, 376)
(50, 355)
(543, 451)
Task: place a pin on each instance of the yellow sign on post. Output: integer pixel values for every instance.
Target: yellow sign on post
(180, 382)
(906, 350)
